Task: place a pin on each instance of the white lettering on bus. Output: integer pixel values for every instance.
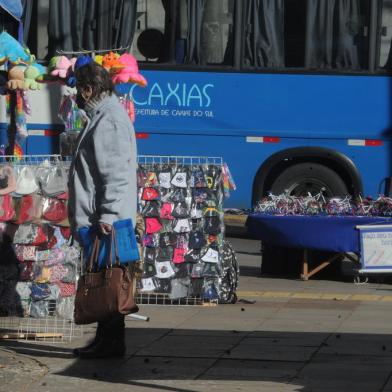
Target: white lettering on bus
(176, 94)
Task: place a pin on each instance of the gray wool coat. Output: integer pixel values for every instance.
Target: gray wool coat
(102, 178)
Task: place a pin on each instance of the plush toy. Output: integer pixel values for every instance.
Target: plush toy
(33, 74)
(98, 59)
(63, 67)
(47, 77)
(13, 51)
(130, 72)
(111, 60)
(16, 78)
(81, 61)
(52, 63)
(76, 63)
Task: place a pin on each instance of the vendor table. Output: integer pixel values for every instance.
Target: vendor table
(336, 234)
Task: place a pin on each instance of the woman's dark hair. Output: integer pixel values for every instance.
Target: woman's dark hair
(95, 76)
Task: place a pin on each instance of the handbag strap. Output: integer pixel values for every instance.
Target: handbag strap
(94, 254)
(114, 242)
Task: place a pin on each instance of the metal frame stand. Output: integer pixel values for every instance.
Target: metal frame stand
(306, 273)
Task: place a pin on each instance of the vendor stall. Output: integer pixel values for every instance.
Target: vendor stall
(186, 258)
(313, 223)
(336, 234)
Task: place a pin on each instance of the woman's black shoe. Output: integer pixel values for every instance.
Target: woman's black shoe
(78, 351)
(105, 349)
(94, 342)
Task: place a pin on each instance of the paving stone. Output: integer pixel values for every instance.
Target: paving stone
(252, 370)
(157, 368)
(358, 344)
(345, 373)
(272, 350)
(191, 346)
(290, 339)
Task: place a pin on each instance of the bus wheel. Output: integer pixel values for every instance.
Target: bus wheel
(304, 178)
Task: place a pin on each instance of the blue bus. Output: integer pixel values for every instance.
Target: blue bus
(293, 94)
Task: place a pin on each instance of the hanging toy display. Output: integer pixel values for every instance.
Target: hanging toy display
(16, 78)
(22, 108)
(12, 51)
(112, 60)
(70, 114)
(24, 73)
(127, 102)
(128, 72)
(33, 74)
(228, 180)
(122, 69)
(18, 151)
(73, 120)
(62, 67)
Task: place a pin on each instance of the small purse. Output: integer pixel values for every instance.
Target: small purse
(104, 294)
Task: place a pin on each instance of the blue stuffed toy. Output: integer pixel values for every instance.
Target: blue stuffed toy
(13, 51)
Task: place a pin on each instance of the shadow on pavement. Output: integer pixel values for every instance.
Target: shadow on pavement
(37, 349)
(304, 360)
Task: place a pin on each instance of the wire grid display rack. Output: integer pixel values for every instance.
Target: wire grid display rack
(179, 160)
(50, 328)
(162, 298)
(31, 159)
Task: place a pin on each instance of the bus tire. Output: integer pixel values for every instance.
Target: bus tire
(310, 177)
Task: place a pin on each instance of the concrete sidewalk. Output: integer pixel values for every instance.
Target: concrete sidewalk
(290, 339)
(272, 345)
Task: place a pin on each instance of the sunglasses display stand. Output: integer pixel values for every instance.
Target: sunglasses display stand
(38, 265)
(181, 225)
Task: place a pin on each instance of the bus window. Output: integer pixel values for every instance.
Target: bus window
(209, 38)
(150, 42)
(264, 34)
(315, 35)
(88, 25)
(38, 35)
(185, 32)
(385, 60)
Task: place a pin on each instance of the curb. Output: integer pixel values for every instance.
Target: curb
(18, 372)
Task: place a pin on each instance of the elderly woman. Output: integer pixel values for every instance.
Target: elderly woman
(102, 182)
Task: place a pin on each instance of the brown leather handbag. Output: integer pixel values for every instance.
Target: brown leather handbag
(105, 293)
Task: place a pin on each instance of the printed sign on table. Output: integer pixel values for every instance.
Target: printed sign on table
(376, 248)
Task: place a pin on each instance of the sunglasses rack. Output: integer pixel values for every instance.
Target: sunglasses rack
(182, 230)
(38, 265)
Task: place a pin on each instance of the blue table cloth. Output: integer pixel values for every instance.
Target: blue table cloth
(329, 233)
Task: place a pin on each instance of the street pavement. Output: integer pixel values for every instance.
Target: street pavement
(284, 334)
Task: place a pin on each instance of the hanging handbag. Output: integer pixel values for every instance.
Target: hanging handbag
(104, 294)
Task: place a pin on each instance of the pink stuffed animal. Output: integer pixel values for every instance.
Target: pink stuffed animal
(130, 72)
(63, 66)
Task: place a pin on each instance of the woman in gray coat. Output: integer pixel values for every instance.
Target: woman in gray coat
(102, 182)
